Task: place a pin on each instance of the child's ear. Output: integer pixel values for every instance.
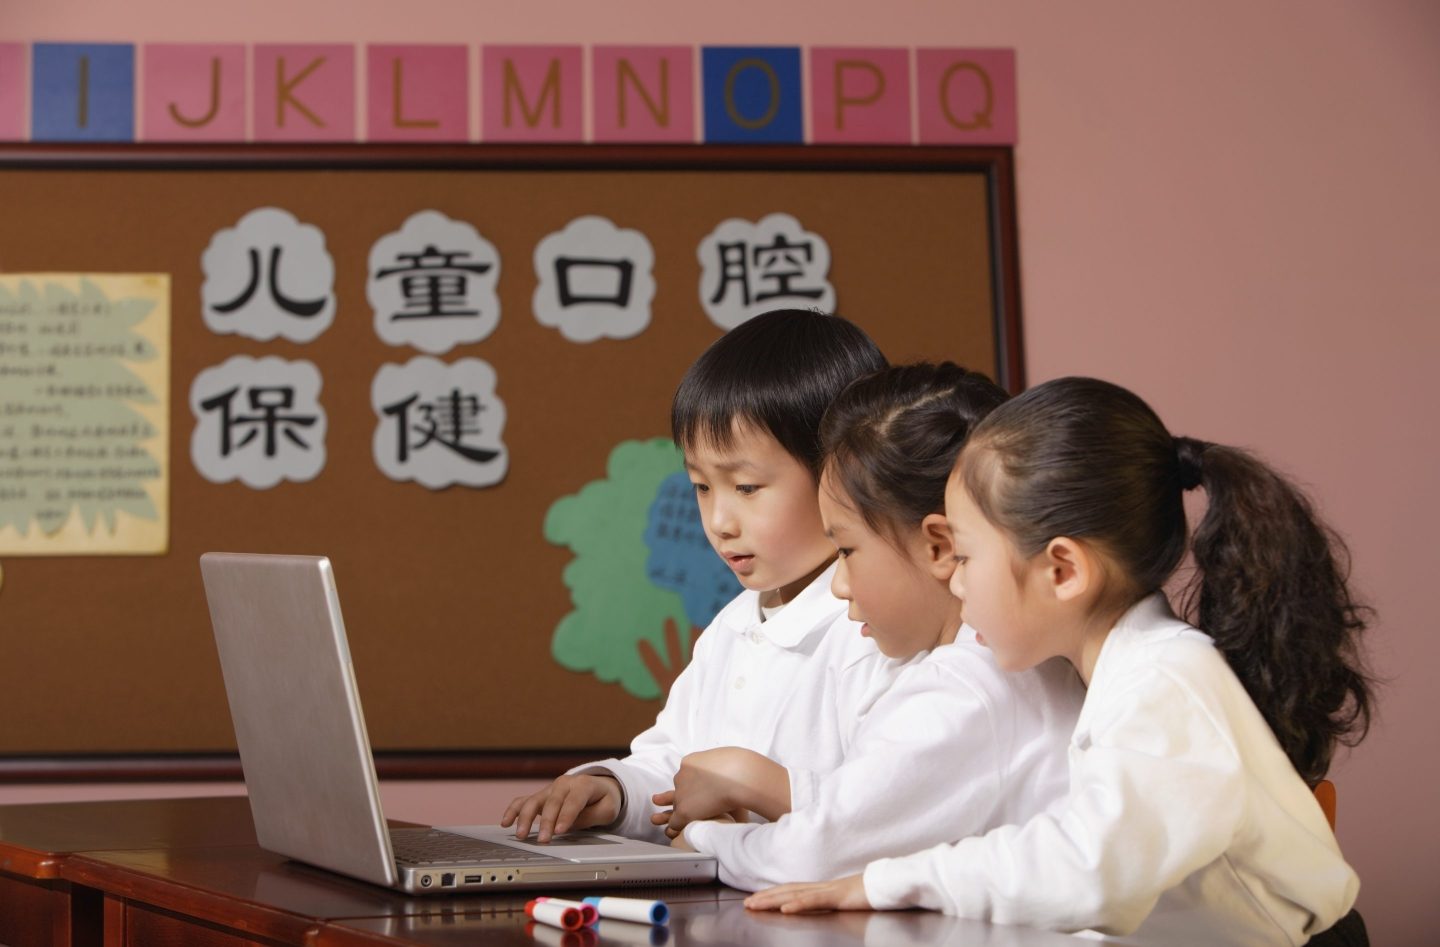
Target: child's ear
(939, 548)
(1071, 569)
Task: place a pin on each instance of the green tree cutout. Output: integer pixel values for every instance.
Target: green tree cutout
(70, 386)
(620, 617)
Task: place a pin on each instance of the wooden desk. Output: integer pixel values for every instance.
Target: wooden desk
(723, 921)
(189, 872)
(38, 906)
(208, 896)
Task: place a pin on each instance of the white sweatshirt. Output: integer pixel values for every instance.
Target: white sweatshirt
(954, 748)
(1185, 822)
(788, 688)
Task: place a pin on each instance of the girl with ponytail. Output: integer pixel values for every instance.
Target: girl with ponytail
(1190, 816)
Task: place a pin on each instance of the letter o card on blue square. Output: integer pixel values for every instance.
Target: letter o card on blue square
(83, 92)
(753, 94)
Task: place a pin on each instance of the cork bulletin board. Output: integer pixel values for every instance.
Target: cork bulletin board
(452, 594)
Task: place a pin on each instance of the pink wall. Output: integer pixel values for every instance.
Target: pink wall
(1229, 206)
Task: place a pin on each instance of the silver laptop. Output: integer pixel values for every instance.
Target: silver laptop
(310, 773)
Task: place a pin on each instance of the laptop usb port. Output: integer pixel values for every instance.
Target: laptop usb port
(474, 879)
(447, 880)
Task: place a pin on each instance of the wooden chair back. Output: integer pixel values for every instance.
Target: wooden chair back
(1325, 795)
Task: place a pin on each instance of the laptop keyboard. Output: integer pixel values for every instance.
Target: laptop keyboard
(433, 847)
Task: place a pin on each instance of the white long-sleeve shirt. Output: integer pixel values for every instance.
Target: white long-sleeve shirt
(955, 747)
(1185, 822)
(787, 687)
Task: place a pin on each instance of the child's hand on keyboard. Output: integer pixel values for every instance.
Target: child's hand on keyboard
(570, 802)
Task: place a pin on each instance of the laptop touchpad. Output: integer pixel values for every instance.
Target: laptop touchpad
(572, 839)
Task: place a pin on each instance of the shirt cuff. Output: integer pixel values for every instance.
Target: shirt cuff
(597, 769)
(885, 888)
(696, 835)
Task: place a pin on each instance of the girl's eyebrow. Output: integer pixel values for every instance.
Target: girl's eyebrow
(730, 466)
(725, 466)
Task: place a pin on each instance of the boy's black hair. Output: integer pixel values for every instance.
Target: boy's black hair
(778, 372)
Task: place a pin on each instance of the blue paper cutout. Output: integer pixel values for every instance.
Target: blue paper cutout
(681, 558)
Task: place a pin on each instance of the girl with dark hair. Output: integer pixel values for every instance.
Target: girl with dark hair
(954, 747)
(1190, 816)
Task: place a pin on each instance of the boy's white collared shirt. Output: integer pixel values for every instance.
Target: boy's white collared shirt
(788, 688)
(1185, 823)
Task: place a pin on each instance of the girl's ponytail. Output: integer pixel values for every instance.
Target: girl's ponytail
(1270, 588)
(1089, 460)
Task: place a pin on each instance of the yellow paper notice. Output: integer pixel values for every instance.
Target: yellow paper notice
(84, 414)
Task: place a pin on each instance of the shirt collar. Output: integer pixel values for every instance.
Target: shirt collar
(1149, 618)
(813, 608)
(1145, 615)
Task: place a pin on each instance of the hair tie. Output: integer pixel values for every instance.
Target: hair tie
(1190, 455)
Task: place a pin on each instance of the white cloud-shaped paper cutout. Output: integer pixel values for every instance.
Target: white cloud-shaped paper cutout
(750, 268)
(432, 284)
(596, 281)
(439, 424)
(269, 275)
(259, 421)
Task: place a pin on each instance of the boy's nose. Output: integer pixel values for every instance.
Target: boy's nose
(722, 523)
(840, 582)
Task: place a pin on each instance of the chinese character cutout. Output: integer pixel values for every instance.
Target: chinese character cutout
(268, 276)
(439, 424)
(595, 281)
(432, 284)
(749, 268)
(258, 421)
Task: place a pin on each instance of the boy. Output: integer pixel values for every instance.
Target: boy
(769, 678)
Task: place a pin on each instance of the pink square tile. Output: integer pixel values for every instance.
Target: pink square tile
(532, 93)
(418, 93)
(859, 95)
(12, 91)
(194, 92)
(304, 92)
(966, 96)
(643, 93)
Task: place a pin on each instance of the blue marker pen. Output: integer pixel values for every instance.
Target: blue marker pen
(632, 909)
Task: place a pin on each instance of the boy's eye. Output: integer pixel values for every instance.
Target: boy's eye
(746, 489)
(700, 487)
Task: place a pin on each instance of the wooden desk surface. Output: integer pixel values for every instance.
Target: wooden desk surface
(723, 921)
(34, 838)
(188, 871)
(248, 888)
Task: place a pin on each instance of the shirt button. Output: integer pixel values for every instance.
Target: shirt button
(756, 637)
(739, 683)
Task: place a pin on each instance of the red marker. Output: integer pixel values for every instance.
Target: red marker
(589, 914)
(556, 915)
(555, 937)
